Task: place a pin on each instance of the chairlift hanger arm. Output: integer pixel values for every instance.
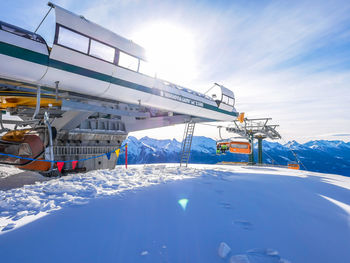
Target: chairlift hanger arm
(266, 122)
(236, 124)
(215, 84)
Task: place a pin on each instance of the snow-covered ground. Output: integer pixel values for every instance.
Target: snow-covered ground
(163, 213)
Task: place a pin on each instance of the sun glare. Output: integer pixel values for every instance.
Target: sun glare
(171, 49)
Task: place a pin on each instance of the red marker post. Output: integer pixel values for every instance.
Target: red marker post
(126, 156)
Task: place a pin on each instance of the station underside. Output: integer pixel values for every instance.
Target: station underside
(83, 126)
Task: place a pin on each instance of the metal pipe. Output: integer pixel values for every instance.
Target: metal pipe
(56, 89)
(47, 122)
(19, 123)
(37, 106)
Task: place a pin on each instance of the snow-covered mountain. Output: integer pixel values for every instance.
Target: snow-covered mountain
(320, 155)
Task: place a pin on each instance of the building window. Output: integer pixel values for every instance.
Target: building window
(102, 51)
(73, 40)
(228, 100)
(231, 101)
(21, 32)
(147, 68)
(127, 61)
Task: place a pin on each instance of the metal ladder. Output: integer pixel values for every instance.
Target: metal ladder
(186, 143)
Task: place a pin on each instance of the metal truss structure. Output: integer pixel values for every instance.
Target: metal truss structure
(255, 129)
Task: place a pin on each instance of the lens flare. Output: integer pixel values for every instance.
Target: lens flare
(183, 203)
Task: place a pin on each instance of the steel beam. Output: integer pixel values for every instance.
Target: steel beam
(68, 105)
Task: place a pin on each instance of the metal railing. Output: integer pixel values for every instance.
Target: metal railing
(82, 150)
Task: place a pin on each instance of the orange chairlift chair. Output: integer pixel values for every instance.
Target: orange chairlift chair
(294, 165)
(240, 147)
(233, 146)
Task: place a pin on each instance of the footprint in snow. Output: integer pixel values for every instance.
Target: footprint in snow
(239, 259)
(259, 255)
(225, 205)
(243, 224)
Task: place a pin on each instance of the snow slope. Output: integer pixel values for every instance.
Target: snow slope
(161, 213)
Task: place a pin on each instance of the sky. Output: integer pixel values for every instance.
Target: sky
(288, 60)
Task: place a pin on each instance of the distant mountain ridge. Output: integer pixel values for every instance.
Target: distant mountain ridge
(318, 155)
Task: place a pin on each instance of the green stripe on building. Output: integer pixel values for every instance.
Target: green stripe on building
(22, 53)
(35, 57)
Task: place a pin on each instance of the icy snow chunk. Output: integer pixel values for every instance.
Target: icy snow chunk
(20, 215)
(223, 250)
(144, 253)
(50, 205)
(4, 213)
(239, 259)
(9, 227)
(243, 224)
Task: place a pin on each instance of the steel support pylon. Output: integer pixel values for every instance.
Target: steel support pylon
(260, 158)
(251, 155)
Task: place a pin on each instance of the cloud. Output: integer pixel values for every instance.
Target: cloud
(285, 60)
(269, 65)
